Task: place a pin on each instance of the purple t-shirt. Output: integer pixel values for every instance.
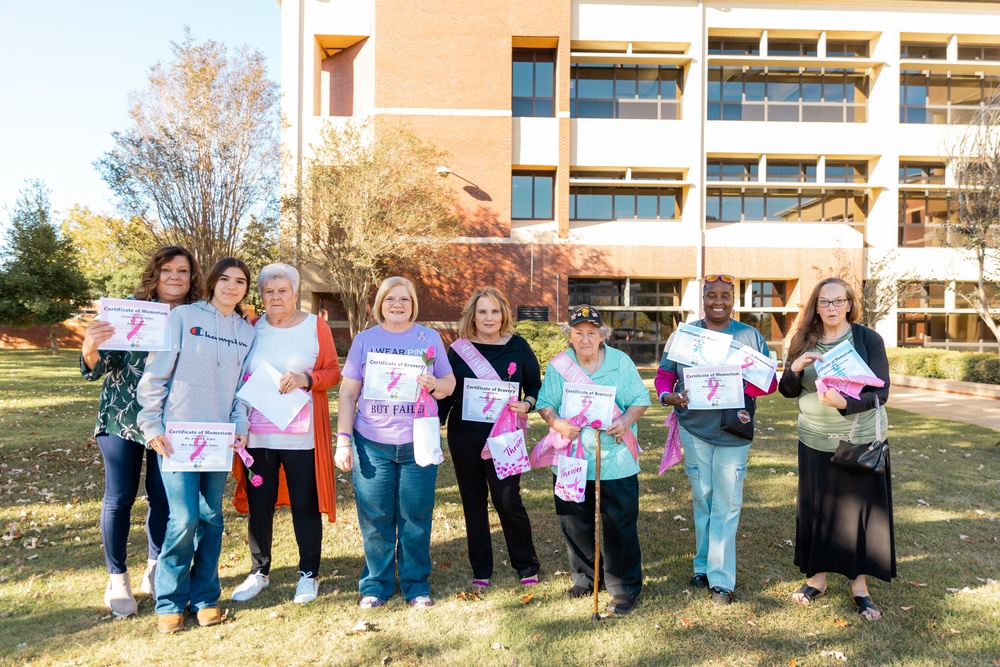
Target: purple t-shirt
(390, 422)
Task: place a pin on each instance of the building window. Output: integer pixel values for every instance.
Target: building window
(642, 312)
(625, 91)
(805, 205)
(979, 52)
(791, 172)
(929, 173)
(736, 46)
(959, 329)
(787, 94)
(846, 172)
(534, 83)
(940, 98)
(922, 219)
(531, 195)
(732, 170)
(624, 203)
(790, 47)
(838, 49)
(768, 293)
(923, 51)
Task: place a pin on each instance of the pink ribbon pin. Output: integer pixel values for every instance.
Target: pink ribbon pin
(199, 443)
(136, 325)
(394, 378)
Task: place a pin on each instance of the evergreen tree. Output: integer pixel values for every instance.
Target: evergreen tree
(40, 279)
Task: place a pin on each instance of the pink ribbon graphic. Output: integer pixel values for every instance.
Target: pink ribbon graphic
(199, 443)
(136, 325)
(585, 405)
(490, 400)
(713, 386)
(748, 362)
(394, 378)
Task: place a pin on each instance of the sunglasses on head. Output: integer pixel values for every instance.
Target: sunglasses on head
(724, 277)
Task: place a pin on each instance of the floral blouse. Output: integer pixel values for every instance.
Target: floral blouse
(119, 406)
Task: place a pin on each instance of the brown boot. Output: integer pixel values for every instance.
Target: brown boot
(118, 596)
(209, 616)
(168, 624)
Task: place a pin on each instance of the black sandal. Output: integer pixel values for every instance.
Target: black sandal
(864, 603)
(808, 593)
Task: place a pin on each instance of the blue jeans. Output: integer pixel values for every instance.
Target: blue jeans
(122, 470)
(395, 501)
(716, 475)
(188, 568)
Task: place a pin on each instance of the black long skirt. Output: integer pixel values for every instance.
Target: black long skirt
(844, 519)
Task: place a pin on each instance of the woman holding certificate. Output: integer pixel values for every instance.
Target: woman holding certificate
(385, 369)
(492, 365)
(298, 347)
(592, 386)
(172, 276)
(843, 521)
(715, 452)
(187, 393)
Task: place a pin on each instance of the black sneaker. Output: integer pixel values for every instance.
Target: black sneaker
(623, 604)
(579, 592)
(721, 595)
(699, 580)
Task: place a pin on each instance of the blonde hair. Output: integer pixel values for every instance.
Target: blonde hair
(383, 290)
(809, 326)
(467, 322)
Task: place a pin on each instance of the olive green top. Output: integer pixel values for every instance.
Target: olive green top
(822, 427)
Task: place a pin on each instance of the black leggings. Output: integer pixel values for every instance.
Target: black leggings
(300, 478)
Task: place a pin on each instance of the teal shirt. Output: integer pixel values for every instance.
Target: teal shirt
(619, 372)
(119, 407)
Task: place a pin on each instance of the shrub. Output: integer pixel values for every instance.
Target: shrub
(947, 365)
(546, 339)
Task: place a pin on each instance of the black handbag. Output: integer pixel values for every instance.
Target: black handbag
(739, 421)
(863, 457)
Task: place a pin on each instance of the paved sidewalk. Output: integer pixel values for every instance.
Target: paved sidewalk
(968, 409)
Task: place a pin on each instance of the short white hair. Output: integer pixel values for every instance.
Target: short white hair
(605, 330)
(276, 271)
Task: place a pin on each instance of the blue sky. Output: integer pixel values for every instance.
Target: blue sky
(69, 65)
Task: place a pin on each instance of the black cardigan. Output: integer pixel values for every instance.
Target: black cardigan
(871, 349)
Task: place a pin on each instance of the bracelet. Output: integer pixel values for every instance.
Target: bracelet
(309, 382)
(346, 435)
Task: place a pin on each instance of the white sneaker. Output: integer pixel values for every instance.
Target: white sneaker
(253, 584)
(307, 588)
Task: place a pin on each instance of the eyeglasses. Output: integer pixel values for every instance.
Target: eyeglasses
(836, 303)
(724, 277)
(392, 301)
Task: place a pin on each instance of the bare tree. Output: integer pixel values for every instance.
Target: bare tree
(974, 157)
(202, 152)
(372, 205)
(885, 285)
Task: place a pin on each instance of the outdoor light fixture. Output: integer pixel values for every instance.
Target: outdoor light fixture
(443, 171)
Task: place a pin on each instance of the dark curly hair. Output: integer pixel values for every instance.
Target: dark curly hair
(151, 274)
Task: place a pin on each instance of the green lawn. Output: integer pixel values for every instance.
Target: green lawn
(943, 609)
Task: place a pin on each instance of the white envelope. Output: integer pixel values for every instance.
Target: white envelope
(261, 391)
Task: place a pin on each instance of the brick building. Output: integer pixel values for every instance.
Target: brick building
(616, 151)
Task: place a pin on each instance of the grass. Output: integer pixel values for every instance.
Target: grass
(947, 500)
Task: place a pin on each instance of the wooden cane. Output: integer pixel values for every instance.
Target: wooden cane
(597, 523)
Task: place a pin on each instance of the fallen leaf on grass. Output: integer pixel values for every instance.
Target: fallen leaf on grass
(445, 566)
(921, 501)
(678, 517)
(657, 626)
(688, 622)
(793, 662)
(467, 596)
(527, 598)
(497, 646)
(840, 623)
(833, 654)
(907, 608)
(361, 628)
(918, 584)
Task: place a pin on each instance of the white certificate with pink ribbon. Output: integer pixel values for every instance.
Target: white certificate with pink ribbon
(199, 447)
(482, 400)
(392, 377)
(714, 388)
(757, 369)
(592, 402)
(140, 326)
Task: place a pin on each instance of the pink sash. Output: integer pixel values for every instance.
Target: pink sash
(484, 371)
(547, 451)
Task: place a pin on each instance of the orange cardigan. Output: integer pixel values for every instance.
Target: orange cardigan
(325, 376)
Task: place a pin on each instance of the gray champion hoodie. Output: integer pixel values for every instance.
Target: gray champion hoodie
(196, 380)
